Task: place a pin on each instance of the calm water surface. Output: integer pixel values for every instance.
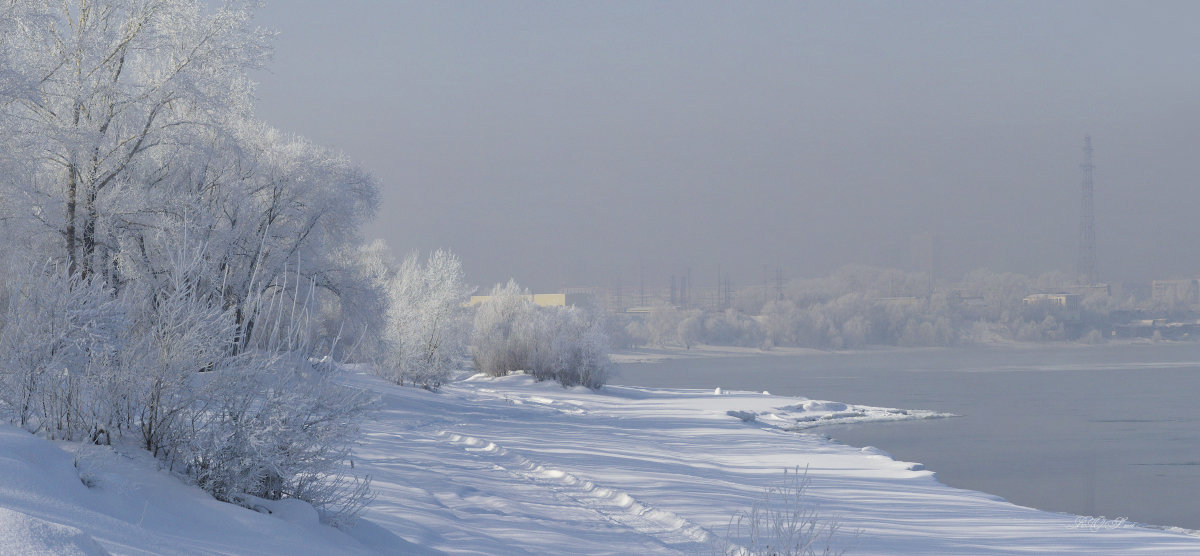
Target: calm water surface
(1095, 430)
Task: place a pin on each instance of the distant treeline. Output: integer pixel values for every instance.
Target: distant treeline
(863, 306)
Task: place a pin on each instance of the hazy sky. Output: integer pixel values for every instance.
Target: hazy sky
(570, 143)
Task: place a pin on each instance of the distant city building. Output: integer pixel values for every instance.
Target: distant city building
(967, 299)
(1176, 291)
(908, 301)
(1087, 290)
(1138, 291)
(1068, 301)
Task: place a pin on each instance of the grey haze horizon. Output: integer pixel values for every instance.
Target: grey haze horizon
(584, 143)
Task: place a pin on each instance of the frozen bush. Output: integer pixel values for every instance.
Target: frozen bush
(56, 340)
(784, 522)
(572, 347)
(177, 334)
(278, 427)
(503, 339)
(565, 344)
(273, 424)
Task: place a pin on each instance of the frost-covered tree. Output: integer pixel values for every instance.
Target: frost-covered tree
(690, 329)
(117, 83)
(139, 120)
(174, 267)
(426, 332)
(662, 325)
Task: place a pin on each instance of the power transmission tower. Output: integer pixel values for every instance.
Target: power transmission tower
(779, 283)
(641, 285)
(620, 303)
(683, 292)
(686, 295)
(717, 296)
(766, 284)
(1086, 266)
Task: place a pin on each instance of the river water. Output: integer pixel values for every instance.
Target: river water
(1094, 430)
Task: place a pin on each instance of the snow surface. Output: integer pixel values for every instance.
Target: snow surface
(132, 508)
(511, 466)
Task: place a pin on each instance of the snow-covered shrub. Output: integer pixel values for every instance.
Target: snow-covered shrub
(571, 347)
(426, 331)
(157, 364)
(565, 344)
(273, 422)
(278, 427)
(503, 339)
(56, 341)
(784, 522)
(176, 334)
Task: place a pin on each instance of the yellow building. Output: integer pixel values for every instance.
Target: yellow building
(542, 299)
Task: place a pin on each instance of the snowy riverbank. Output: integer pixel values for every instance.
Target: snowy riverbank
(509, 466)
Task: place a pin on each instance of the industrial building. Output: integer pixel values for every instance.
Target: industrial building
(1068, 301)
